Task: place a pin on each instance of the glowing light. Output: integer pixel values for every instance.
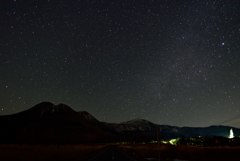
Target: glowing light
(173, 141)
(153, 141)
(231, 134)
(164, 142)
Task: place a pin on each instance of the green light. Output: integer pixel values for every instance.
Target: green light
(164, 142)
(173, 141)
(153, 141)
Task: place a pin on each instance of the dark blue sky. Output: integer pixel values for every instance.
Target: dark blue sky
(170, 62)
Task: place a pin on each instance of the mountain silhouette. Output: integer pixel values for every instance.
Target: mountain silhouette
(49, 124)
(46, 123)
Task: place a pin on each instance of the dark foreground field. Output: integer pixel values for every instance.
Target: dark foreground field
(141, 152)
(190, 153)
(48, 152)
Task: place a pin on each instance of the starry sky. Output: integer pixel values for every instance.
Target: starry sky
(168, 61)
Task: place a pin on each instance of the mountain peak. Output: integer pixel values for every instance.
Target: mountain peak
(43, 106)
(64, 107)
(137, 121)
(47, 108)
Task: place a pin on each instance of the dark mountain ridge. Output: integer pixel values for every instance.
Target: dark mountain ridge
(46, 123)
(49, 124)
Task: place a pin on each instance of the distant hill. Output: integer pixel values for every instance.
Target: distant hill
(46, 123)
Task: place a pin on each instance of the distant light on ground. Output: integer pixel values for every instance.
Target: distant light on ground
(231, 134)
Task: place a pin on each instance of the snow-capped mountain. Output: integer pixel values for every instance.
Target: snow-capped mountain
(140, 124)
(136, 125)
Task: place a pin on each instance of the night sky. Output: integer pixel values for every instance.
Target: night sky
(168, 61)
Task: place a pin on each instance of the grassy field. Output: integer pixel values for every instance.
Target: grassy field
(48, 153)
(190, 153)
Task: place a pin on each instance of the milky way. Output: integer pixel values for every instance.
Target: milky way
(170, 62)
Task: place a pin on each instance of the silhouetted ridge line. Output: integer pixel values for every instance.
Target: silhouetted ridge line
(46, 123)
